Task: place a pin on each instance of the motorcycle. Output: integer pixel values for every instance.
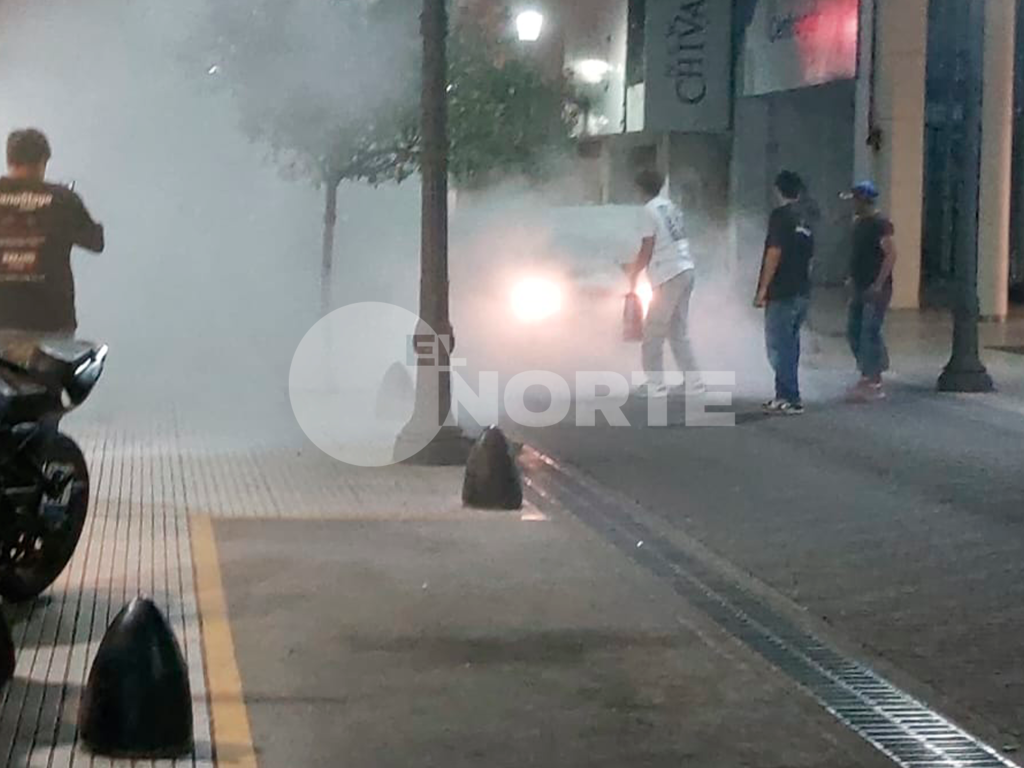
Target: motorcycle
(44, 479)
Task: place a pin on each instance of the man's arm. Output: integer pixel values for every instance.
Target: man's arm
(85, 232)
(641, 262)
(888, 264)
(772, 259)
(648, 234)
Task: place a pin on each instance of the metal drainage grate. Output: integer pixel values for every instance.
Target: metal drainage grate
(891, 720)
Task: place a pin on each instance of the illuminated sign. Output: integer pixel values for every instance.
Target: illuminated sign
(797, 43)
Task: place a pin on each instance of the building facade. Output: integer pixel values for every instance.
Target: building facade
(918, 95)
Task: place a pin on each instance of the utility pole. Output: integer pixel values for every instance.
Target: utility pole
(965, 372)
(434, 339)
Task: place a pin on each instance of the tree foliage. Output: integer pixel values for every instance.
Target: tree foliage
(332, 88)
(320, 82)
(505, 118)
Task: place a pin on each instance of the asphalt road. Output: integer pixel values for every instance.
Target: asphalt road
(490, 641)
(900, 524)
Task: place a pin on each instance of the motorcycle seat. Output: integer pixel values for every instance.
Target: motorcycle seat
(70, 352)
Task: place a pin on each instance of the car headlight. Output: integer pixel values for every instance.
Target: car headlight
(536, 299)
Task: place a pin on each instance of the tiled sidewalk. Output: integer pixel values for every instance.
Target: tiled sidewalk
(135, 541)
(148, 479)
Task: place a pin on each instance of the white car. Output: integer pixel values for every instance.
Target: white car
(540, 287)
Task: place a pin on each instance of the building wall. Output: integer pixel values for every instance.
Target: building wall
(698, 171)
(596, 31)
(810, 131)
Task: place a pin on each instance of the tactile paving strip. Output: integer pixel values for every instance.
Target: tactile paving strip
(135, 541)
(906, 730)
(148, 477)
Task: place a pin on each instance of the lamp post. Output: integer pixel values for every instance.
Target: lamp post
(445, 444)
(965, 371)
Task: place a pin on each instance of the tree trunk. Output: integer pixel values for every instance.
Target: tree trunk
(327, 255)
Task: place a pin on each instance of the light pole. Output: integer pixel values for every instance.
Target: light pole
(965, 372)
(434, 337)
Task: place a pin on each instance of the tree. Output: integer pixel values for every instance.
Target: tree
(331, 88)
(506, 118)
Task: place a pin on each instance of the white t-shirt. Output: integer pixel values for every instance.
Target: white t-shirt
(663, 220)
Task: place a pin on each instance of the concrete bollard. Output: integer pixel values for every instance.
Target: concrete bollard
(138, 702)
(492, 479)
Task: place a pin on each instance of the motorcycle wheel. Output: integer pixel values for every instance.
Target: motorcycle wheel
(34, 560)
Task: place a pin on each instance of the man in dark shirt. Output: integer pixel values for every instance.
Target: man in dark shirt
(39, 224)
(784, 291)
(873, 259)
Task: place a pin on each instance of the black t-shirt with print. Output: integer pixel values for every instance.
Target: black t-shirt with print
(39, 224)
(868, 256)
(789, 231)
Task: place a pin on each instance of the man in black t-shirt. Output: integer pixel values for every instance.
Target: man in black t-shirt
(784, 291)
(39, 224)
(871, 267)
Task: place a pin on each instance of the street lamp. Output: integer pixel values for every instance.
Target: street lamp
(965, 371)
(529, 25)
(445, 444)
(592, 71)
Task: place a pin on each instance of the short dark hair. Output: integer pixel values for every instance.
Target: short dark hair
(27, 146)
(650, 181)
(790, 185)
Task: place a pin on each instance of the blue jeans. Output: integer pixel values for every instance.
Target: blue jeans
(782, 322)
(864, 332)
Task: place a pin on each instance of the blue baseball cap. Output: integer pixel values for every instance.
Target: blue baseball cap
(864, 190)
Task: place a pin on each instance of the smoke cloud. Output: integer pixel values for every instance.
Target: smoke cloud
(210, 278)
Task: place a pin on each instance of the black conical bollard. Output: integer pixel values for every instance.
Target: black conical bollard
(397, 394)
(6, 652)
(492, 478)
(138, 702)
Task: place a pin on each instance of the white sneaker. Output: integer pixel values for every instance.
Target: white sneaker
(651, 389)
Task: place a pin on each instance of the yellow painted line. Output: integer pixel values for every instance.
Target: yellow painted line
(232, 737)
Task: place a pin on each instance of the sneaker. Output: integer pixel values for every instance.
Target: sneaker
(783, 408)
(697, 388)
(865, 392)
(651, 390)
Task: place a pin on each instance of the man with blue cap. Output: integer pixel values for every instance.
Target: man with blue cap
(871, 268)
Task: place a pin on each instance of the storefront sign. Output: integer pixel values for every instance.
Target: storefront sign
(688, 49)
(797, 43)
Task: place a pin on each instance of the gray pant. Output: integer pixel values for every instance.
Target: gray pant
(668, 320)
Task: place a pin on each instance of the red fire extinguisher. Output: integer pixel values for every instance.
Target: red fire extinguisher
(632, 318)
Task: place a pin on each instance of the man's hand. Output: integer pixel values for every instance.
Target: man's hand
(760, 301)
(874, 292)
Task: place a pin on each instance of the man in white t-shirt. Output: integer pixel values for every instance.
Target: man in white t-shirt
(665, 254)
